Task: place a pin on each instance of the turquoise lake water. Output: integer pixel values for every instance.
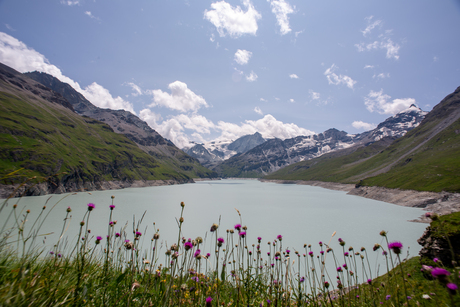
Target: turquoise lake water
(301, 214)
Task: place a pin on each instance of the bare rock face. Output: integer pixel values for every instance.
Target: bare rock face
(441, 240)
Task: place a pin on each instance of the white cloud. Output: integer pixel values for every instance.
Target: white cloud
(363, 126)
(251, 77)
(371, 26)
(137, 90)
(17, 55)
(381, 75)
(368, 66)
(70, 2)
(233, 21)
(258, 111)
(379, 102)
(264, 100)
(383, 43)
(88, 13)
(181, 98)
(293, 76)
(314, 95)
(335, 79)
(281, 9)
(291, 100)
(242, 56)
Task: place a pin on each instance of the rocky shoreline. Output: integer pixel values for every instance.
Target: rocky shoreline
(441, 203)
(46, 188)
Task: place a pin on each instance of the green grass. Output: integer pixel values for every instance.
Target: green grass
(48, 139)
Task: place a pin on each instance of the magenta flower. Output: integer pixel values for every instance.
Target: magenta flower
(242, 234)
(208, 301)
(117, 234)
(259, 239)
(435, 259)
(221, 240)
(238, 227)
(208, 255)
(439, 273)
(288, 251)
(452, 286)
(112, 207)
(279, 237)
(138, 234)
(188, 245)
(197, 253)
(99, 238)
(91, 206)
(310, 253)
(395, 247)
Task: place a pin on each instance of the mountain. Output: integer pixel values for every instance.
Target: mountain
(41, 132)
(275, 154)
(213, 153)
(128, 124)
(427, 158)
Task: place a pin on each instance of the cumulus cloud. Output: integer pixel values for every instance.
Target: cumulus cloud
(381, 75)
(363, 126)
(233, 21)
(242, 56)
(382, 103)
(251, 77)
(293, 76)
(88, 13)
(258, 111)
(263, 99)
(17, 55)
(314, 95)
(335, 79)
(368, 66)
(181, 98)
(281, 9)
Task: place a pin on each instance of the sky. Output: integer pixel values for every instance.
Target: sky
(198, 71)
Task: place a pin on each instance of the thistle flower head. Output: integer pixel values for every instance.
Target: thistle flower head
(69, 209)
(188, 245)
(220, 241)
(440, 273)
(208, 301)
(396, 247)
(214, 227)
(238, 227)
(138, 234)
(112, 207)
(279, 237)
(242, 234)
(91, 206)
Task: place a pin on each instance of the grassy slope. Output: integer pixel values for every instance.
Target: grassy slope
(432, 167)
(48, 139)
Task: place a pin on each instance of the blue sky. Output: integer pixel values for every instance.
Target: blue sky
(205, 70)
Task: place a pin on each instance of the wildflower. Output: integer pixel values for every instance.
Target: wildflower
(208, 301)
(208, 255)
(91, 206)
(69, 209)
(440, 273)
(388, 297)
(452, 288)
(112, 207)
(259, 239)
(98, 239)
(117, 234)
(51, 253)
(369, 281)
(188, 245)
(287, 251)
(110, 223)
(321, 252)
(182, 204)
(279, 237)
(310, 253)
(197, 253)
(339, 269)
(345, 254)
(383, 233)
(320, 243)
(242, 234)
(156, 236)
(214, 227)
(435, 259)
(376, 247)
(326, 284)
(384, 253)
(426, 297)
(409, 297)
(59, 255)
(341, 242)
(220, 241)
(138, 234)
(302, 279)
(238, 227)
(396, 247)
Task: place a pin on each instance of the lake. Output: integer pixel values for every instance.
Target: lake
(301, 214)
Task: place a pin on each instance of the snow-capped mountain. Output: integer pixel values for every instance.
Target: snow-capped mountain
(275, 153)
(211, 153)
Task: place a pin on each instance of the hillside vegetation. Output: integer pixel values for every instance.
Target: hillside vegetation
(426, 159)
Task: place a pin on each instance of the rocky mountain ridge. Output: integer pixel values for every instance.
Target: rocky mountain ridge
(275, 154)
